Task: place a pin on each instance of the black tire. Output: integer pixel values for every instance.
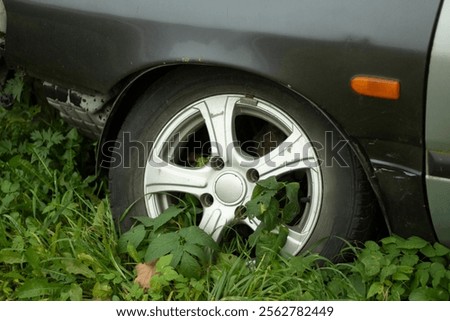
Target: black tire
(346, 203)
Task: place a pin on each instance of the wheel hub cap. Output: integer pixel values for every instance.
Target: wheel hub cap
(230, 188)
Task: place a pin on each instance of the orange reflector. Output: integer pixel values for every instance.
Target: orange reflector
(376, 87)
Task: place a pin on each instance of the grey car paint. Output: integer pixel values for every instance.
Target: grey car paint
(437, 132)
(313, 47)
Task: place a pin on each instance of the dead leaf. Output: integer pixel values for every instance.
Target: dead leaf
(145, 272)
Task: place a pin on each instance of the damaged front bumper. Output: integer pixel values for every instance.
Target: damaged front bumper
(87, 112)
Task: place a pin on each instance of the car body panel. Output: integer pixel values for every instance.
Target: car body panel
(438, 91)
(312, 47)
(2, 17)
(437, 127)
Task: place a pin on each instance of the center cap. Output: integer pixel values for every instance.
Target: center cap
(230, 188)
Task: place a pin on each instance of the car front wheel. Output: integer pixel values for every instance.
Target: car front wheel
(213, 134)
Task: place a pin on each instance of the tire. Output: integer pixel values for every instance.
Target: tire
(197, 112)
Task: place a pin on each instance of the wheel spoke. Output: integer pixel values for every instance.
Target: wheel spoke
(218, 113)
(294, 153)
(215, 219)
(296, 241)
(165, 177)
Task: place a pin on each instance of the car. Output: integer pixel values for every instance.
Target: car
(208, 99)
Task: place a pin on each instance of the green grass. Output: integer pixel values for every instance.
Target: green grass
(58, 242)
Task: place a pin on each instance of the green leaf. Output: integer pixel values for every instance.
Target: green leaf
(439, 259)
(102, 291)
(441, 250)
(437, 272)
(72, 135)
(292, 208)
(13, 275)
(167, 274)
(304, 262)
(375, 289)
(6, 147)
(100, 214)
(33, 259)
(428, 251)
(177, 254)
(271, 218)
(33, 288)
(9, 256)
(8, 187)
(405, 269)
(371, 264)
(201, 161)
(409, 260)
(414, 243)
(422, 276)
(77, 268)
(74, 292)
(390, 240)
(271, 183)
(428, 294)
(166, 216)
(400, 277)
(15, 86)
(163, 262)
(258, 205)
(283, 233)
(134, 236)
(387, 272)
(162, 245)
(420, 294)
(396, 292)
(372, 246)
(8, 199)
(133, 253)
(358, 284)
(257, 190)
(189, 267)
(195, 235)
(423, 266)
(196, 251)
(145, 220)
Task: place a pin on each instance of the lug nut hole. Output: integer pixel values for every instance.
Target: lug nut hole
(207, 200)
(253, 175)
(217, 163)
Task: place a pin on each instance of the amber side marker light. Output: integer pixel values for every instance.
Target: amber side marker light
(376, 87)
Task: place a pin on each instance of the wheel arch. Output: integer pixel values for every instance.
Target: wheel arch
(134, 85)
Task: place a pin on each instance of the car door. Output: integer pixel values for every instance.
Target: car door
(437, 128)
